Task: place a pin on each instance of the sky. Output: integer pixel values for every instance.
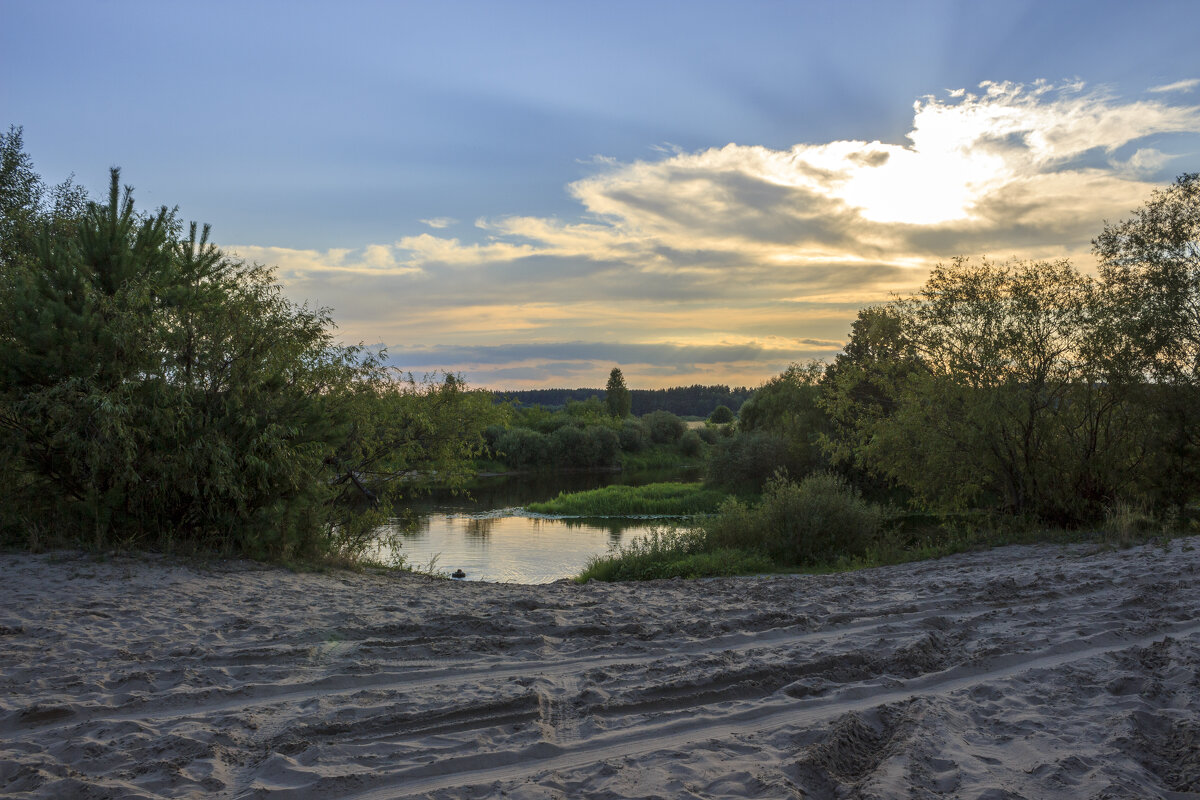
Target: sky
(532, 193)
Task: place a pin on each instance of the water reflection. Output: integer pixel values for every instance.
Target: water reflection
(512, 491)
(487, 536)
(480, 528)
(509, 548)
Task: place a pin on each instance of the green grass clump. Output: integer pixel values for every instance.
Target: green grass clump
(659, 456)
(671, 553)
(653, 499)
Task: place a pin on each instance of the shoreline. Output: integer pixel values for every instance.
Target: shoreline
(1025, 671)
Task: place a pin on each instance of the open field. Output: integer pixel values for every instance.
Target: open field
(1044, 672)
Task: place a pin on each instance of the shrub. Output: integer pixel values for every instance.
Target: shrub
(709, 435)
(603, 446)
(690, 444)
(664, 427)
(818, 520)
(154, 391)
(721, 415)
(634, 436)
(748, 460)
(522, 447)
(593, 446)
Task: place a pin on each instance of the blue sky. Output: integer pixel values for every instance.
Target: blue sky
(530, 193)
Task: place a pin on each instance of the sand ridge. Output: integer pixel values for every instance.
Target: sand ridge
(1020, 672)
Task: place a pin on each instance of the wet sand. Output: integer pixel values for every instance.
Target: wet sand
(1039, 672)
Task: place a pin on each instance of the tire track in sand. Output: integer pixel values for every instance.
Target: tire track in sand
(715, 723)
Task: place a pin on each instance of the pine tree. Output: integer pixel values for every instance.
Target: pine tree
(616, 396)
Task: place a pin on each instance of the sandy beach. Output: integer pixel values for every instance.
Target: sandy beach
(1038, 672)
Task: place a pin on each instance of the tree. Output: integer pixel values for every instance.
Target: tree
(785, 409)
(989, 387)
(1150, 266)
(616, 396)
(27, 207)
(154, 391)
(721, 415)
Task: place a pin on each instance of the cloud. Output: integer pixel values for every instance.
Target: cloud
(692, 250)
(1177, 86)
(652, 354)
(440, 222)
(586, 363)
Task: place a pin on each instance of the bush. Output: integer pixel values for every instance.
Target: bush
(664, 427)
(154, 392)
(690, 444)
(522, 447)
(817, 521)
(709, 435)
(748, 460)
(634, 436)
(603, 446)
(593, 446)
(721, 415)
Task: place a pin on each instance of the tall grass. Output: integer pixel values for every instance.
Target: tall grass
(671, 553)
(653, 499)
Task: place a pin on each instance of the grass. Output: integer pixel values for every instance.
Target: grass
(671, 553)
(659, 456)
(694, 552)
(653, 499)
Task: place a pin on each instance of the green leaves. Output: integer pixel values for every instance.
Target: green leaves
(991, 385)
(617, 398)
(155, 391)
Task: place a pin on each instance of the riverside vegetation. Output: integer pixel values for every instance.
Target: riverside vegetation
(1002, 402)
(156, 393)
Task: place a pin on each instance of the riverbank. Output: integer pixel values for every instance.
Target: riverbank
(1030, 671)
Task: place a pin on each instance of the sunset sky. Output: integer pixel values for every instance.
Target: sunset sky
(531, 193)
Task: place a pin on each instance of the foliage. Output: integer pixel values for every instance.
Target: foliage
(695, 401)
(991, 386)
(155, 392)
(654, 499)
(1150, 265)
(634, 435)
(616, 396)
(591, 410)
(818, 520)
(593, 446)
(670, 553)
(664, 427)
(779, 428)
(721, 415)
(747, 461)
(522, 447)
(690, 444)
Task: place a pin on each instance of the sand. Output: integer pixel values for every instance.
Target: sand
(1039, 672)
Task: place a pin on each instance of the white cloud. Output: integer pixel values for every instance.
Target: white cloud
(439, 222)
(1177, 86)
(749, 241)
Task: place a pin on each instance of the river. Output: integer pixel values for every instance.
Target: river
(488, 535)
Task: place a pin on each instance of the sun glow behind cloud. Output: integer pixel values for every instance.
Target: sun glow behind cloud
(746, 244)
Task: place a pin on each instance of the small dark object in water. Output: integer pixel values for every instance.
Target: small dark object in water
(458, 573)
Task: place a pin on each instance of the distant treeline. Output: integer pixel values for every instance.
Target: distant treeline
(683, 401)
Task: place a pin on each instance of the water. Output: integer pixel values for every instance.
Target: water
(491, 538)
